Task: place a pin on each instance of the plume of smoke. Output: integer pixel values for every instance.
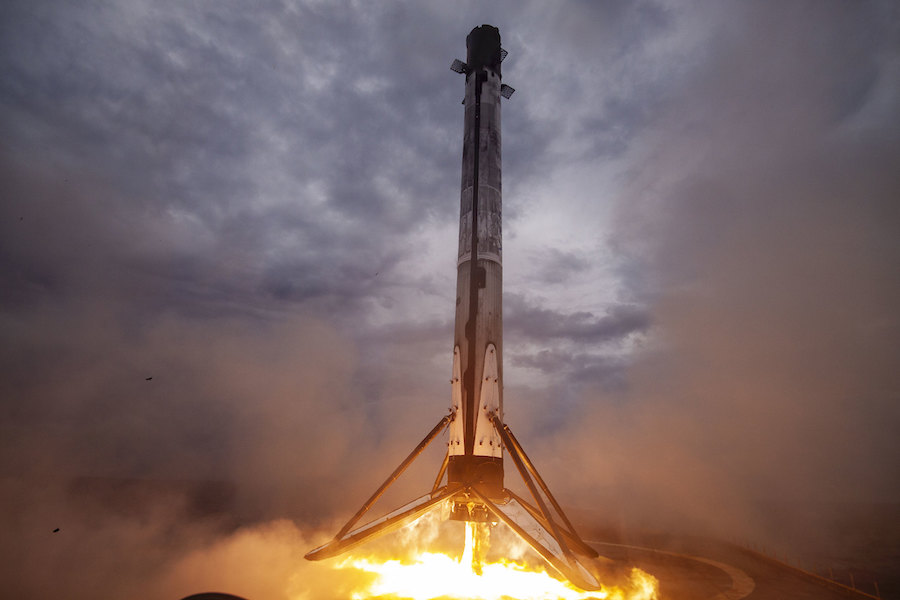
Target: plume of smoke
(762, 225)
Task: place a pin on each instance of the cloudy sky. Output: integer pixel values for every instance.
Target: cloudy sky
(257, 206)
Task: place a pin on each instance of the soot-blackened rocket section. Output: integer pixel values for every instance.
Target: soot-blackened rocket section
(473, 465)
(475, 448)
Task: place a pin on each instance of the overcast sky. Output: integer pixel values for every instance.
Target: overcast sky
(256, 206)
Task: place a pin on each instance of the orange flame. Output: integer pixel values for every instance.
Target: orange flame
(433, 575)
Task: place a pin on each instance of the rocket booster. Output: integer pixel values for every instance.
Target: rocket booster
(474, 447)
(473, 466)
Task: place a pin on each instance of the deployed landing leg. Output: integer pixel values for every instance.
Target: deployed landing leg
(346, 539)
(557, 542)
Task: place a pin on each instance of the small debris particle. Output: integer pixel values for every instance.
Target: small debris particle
(147, 378)
(56, 530)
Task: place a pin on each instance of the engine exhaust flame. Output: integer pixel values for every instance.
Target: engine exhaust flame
(434, 575)
(474, 552)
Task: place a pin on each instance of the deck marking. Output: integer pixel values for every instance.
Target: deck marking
(742, 585)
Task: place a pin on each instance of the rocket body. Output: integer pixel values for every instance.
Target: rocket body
(475, 447)
(478, 437)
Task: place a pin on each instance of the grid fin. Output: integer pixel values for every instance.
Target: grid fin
(459, 66)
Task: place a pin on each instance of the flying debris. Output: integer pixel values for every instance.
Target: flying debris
(470, 479)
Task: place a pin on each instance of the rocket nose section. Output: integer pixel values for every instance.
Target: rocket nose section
(483, 48)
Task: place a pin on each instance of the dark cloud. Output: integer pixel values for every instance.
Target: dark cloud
(226, 117)
(604, 371)
(559, 266)
(535, 323)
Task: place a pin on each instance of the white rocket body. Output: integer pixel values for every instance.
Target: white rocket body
(475, 448)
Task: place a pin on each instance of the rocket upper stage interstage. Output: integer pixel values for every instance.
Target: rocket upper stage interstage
(470, 481)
